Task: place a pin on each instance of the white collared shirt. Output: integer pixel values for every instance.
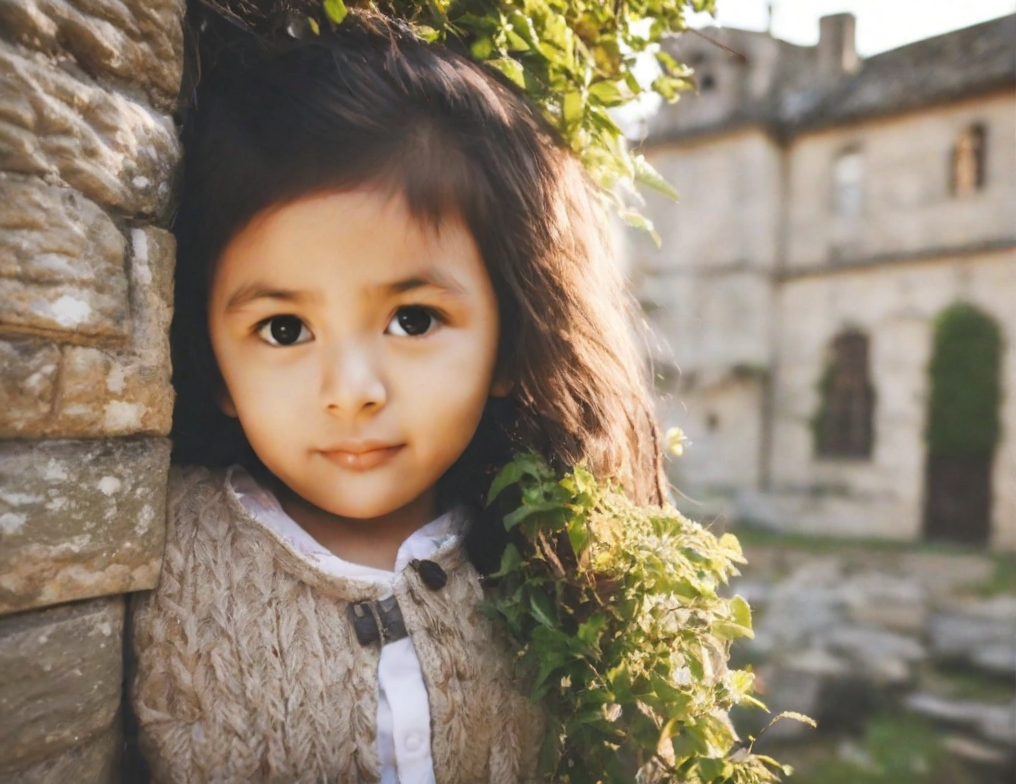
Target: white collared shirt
(403, 709)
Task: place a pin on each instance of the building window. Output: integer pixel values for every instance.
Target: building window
(848, 177)
(968, 172)
(843, 424)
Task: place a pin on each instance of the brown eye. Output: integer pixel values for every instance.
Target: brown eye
(284, 331)
(412, 321)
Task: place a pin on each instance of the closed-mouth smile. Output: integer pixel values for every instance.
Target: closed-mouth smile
(361, 458)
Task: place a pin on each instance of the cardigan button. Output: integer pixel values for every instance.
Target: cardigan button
(433, 576)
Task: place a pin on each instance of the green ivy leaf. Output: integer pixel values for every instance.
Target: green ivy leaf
(510, 560)
(571, 107)
(507, 476)
(511, 68)
(335, 10)
(647, 175)
(543, 609)
(590, 631)
(429, 34)
(740, 612)
(482, 48)
(514, 518)
(640, 221)
(715, 769)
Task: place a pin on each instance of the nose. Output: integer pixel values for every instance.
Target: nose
(351, 381)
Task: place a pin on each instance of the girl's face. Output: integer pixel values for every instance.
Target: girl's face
(358, 348)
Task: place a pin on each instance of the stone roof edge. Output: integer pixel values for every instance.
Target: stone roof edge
(766, 117)
(791, 129)
(785, 132)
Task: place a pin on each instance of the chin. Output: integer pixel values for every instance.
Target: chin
(365, 508)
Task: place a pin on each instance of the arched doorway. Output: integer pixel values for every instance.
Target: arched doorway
(963, 425)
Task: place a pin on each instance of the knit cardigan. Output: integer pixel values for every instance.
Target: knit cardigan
(248, 669)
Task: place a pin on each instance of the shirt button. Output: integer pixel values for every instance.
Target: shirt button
(414, 742)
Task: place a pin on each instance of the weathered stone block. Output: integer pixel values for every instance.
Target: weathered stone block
(129, 42)
(27, 384)
(61, 263)
(60, 678)
(100, 391)
(80, 519)
(127, 392)
(94, 762)
(117, 152)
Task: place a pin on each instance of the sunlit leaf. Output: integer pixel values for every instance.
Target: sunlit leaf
(335, 10)
(510, 68)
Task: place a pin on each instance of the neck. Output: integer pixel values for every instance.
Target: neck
(372, 541)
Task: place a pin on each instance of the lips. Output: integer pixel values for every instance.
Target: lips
(362, 458)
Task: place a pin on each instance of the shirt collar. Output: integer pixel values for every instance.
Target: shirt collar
(262, 504)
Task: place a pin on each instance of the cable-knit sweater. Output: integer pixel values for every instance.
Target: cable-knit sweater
(248, 668)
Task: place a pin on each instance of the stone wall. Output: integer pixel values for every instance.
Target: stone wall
(87, 154)
(906, 204)
(896, 307)
(708, 295)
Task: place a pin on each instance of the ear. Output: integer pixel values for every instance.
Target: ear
(501, 386)
(225, 402)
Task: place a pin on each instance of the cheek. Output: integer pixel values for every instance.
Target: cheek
(261, 391)
(446, 397)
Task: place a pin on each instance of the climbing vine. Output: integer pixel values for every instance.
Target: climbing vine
(621, 623)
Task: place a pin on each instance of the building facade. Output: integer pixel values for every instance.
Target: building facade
(834, 302)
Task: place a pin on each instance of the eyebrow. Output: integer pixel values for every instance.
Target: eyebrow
(433, 277)
(257, 290)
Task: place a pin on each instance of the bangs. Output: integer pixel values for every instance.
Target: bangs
(324, 119)
(437, 180)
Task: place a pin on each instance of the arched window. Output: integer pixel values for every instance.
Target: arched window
(848, 182)
(967, 164)
(843, 424)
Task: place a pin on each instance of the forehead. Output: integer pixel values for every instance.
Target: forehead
(355, 238)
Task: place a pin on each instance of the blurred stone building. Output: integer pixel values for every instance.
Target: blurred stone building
(842, 222)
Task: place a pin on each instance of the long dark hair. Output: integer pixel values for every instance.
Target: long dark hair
(369, 104)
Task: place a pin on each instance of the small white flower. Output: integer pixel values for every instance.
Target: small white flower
(676, 441)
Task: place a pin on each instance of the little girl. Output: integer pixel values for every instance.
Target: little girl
(392, 275)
